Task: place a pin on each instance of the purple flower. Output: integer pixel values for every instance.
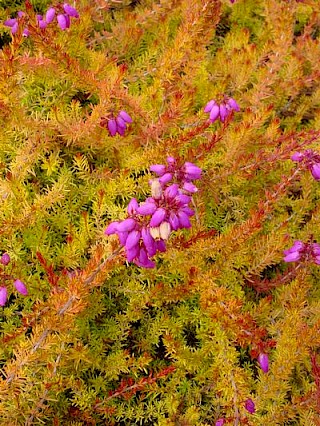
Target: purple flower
(159, 169)
(297, 156)
(132, 239)
(126, 225)
(310, 160)
(221, 110)
(250, 406)
(315, 171)
(50, 14)
(132, 206)
(112, 126)
(158, 217)
(71, 11)
(62, 21)
(5, 259)
(3, 295)
(220, 422)
(264, 362)
(125, 116)
(233, 104)
(294, 253)
(20, 287)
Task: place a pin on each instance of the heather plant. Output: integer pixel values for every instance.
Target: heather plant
(160, 212)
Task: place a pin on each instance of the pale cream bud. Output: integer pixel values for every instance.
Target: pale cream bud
(165, 230)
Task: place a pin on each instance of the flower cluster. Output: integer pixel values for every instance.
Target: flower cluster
(117, 124)
(19, 285)
(303, 251)
(63, 13)
(150, 223)
(310, 160)
(13, 23)
(221, 110)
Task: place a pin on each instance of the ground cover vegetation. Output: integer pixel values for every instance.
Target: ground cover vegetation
(160, 212)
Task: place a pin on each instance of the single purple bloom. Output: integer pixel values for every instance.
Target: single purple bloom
(159, 169)
(233, 104)
(250, 406)
(192, 171)
(62, 21)
(126, 225)
(132, 206)
(148, 241)
(43, 24)
(20, 14)
(25, 32)
(171, 191)
(214, 113)
(133, 239)
(112, 127)
(132, 253)
(147, 208)
(174, 221)
(316, 249)
(125, 116)
(121, 130)
(183, 199)
(10, 22)
(167, 177)
(50, 15)
(297, 156)
(15, 27)
(223, 112)
(148, 264)
(292, 257)
(263, 360)
(5, 259)
(190, 187)
(20, 287)
(189, 212)
(71, 11)
(121, 122)
(220, 422)
(315, 171)
(158, 217)
(111, 228)
(123, 237)
(3, 295)
(209, 106)
(184, 220)
(143, 256)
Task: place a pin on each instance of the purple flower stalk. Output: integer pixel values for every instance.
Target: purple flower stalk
(249, 405)
(307, 252)
(221, 110)
(310, 160)
(263, 361)
(149, 224)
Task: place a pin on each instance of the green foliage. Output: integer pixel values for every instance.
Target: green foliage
(98, 340)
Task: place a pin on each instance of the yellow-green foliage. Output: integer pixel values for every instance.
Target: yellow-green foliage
(98, 340)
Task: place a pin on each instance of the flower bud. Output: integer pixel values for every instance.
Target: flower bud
(250, 406)
(264, 362)
(50, 15)
(3, 295)
(20, 287)
(5, 259)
